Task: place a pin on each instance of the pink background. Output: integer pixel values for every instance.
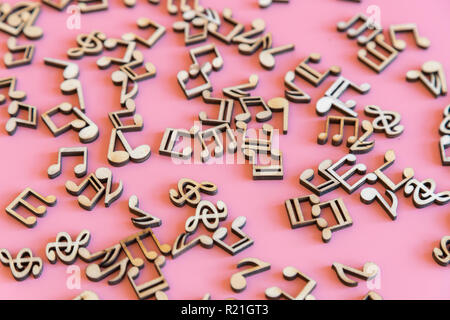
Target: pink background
(401, 248)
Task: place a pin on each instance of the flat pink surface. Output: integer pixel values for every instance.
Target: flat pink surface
(401, 248)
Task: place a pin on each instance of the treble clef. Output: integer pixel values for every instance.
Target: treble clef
(23, 264)
(65, 248)
(189, 191)
(424, 193)
(208, 214)
(90, 44)
(385, 121)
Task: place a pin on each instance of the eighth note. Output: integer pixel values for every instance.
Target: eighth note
(237, 280)
(80, 169)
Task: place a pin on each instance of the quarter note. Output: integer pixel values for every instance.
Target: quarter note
(119, 157)
(267, 59)
(145, 219)
(279, 104)
(13, 110)
(400, 45)
(238, 282)
(80, 169)
(236, 228)
(291, 273)
(21, 200)
(369, 271)
(312, 75)
(23, 265)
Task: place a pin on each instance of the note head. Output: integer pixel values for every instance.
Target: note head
(119, 158)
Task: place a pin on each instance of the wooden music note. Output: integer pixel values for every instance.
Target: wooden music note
(444, 128)
(181, 245)
(280, 104)
(331, 98)
(183, 78)
(367, 24)
(95, 273)
(340, 214)
(257, 27)
(444, 143)
(76, 190)
(119, 158)
(369, 271)
(442, 255)
(291, 273)
(65, 248)
(358, 168)
(227, 16)
(150, 255)
(185, 27)
(384, 60)
(23, 265)
(87, 295)
(64, 108)
(121, 78)
(295, 212)
(189, 192)
(239, 91)
(89, 132)
(39, 211)
(171, 137)
(145, 219)
(267, 3)
(312, 75)
(28, 52)
(336, 140)
(369, 195)
(148, 289)
(71, 70)
(437, 84)
(247, 102)
(21, 18)
(270, 171)
(215, 133)
(145, 23)
(111, 44)
(267, 59)
(372, 295)
(29, 30)
(294, 93)
(80, 169)
(105, 175)
(72, 86)
(264, 42)
(389, 159)
(89, 44)
(195, 6)
(13, 110)
(171, 7)
(13, 94)
(252, 146)
(238, 282)
(138, 60)
(115, 117)
(85, 8)
(400, 45)
(209, 214)
(58, 5)
(361, 145)
(216, 63)
(226, 107)
(330, 183)
(424, 193)
(385, 121)
(236, 228)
